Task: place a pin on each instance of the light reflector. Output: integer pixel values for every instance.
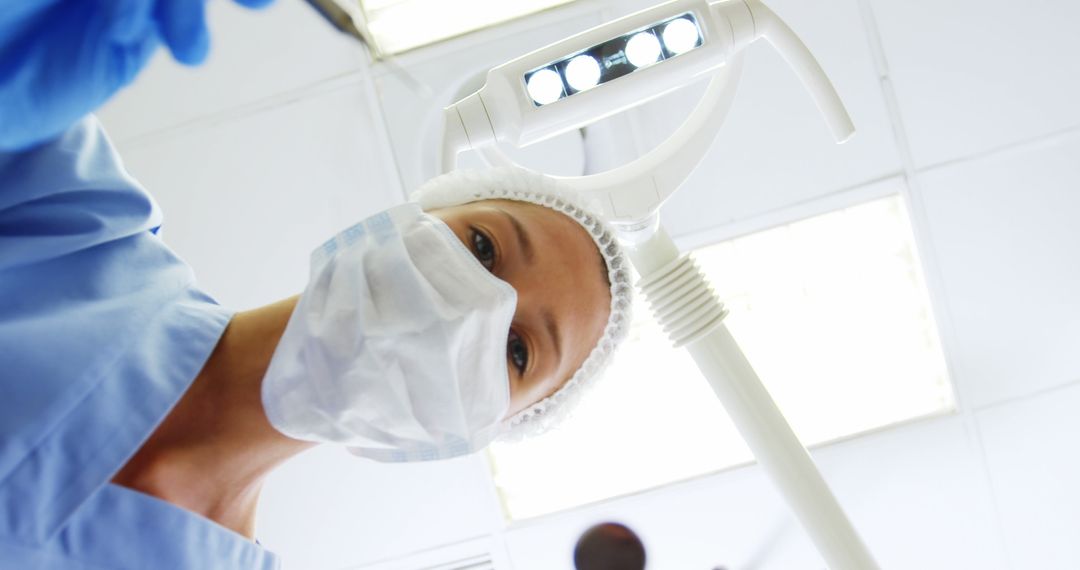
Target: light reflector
(545, 86)
(680, 36)
(582, 72)
(614, 58)
(643, 49)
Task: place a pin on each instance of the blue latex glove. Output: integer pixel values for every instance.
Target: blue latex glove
(61, 59)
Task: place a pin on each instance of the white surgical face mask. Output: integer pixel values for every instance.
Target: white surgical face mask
(397, 347)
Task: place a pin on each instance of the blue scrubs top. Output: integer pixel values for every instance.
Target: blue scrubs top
(102, 329)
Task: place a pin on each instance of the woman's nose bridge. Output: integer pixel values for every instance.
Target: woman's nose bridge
(533, 290)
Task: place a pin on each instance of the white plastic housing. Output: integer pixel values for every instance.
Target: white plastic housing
(503, 111)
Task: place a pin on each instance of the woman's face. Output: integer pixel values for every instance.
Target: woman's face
(563, 297)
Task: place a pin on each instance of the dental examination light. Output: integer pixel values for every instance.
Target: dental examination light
(617, 66)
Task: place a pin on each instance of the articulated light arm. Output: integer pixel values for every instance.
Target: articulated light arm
(805, 66)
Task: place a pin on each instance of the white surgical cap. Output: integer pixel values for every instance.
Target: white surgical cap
(464, 186)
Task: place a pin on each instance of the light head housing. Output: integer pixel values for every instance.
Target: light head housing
(614, 58)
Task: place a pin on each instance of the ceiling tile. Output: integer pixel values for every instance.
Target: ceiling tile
(1034, 477)
(972, 75)
(923, 478)
(255, 55)
(246, 200)
(1004, 232)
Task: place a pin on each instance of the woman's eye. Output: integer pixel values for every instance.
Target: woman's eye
(484, 249)
(517, 352)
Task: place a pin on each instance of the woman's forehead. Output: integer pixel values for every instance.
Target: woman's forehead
(570, 274)
(562, 237)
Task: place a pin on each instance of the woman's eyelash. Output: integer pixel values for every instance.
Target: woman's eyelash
(517, 352)
(483, 248)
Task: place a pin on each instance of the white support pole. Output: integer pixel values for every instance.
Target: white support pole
(745, 399)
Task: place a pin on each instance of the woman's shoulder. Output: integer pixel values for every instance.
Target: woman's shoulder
(68, 194)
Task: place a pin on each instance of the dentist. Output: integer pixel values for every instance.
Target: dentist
(138, 418)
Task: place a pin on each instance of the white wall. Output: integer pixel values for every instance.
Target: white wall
(966, 107)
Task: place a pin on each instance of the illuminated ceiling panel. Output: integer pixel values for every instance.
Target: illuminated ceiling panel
(402, 25)
(833, 313)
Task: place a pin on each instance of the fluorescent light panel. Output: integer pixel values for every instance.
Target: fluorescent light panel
(833, 313)
(402, 25)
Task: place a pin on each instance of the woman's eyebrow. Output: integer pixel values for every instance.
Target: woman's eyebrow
(553, 331)
(522, 235)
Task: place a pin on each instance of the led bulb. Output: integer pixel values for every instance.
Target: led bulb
(680, 36)
(643, 49)
(545, 86)
(583, 72)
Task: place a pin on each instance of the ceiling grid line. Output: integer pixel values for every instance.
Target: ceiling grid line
(932, 268)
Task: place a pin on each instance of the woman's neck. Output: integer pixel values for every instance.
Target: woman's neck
(212, 452)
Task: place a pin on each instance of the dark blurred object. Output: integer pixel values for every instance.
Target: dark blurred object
(609, 546)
